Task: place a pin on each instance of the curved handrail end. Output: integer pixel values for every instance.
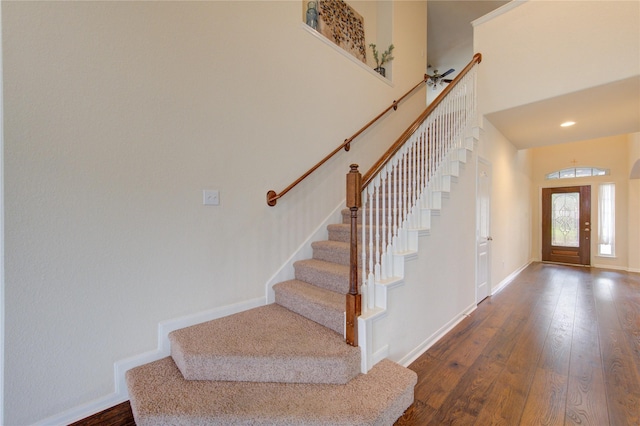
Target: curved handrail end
(272, 198)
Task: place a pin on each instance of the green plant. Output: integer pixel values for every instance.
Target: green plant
(386, 55)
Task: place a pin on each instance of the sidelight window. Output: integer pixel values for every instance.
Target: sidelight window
(606, 219)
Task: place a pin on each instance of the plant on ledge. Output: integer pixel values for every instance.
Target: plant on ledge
(381, 60)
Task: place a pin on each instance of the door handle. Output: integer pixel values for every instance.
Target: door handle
(489, 239)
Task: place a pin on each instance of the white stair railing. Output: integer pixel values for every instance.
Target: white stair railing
(394, 197)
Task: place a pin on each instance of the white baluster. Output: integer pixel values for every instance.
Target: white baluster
(369, 222)
(383, 214)
(376, 183)
(388, 249)
(364, 290)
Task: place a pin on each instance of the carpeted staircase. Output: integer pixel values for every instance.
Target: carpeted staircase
(281, 364)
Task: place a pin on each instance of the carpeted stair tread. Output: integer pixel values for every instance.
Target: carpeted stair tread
(265, 344)
(332, 251)
(161, 396)
(318, 304)
(342, 232)
(329, 275)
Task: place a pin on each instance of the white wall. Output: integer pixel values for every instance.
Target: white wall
(557, 47)
(117, 116)
(510, 204)
(2, 341)
(439, 283)
(634, 206)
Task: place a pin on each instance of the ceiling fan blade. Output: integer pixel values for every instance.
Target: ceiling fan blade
(447, 80)
(447, 73)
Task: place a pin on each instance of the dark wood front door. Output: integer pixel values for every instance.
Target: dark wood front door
(566, 225)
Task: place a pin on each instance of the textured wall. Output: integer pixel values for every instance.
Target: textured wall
(117, 116)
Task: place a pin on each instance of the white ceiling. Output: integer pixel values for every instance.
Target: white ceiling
(611, 109)
(602, 111)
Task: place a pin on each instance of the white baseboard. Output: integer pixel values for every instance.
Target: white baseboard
(121, 393)
(166, 327)
(431, 340)
(82, 411)
(615, 268)
(424, 346)
(505, 282)
(304, 251)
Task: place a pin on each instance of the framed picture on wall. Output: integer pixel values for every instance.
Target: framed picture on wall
(341, 24)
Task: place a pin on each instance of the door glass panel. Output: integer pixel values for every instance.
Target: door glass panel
(565, 215)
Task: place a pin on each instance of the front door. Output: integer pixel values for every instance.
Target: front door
(566, 225)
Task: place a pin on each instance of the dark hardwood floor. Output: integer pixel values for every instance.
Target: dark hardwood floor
(120, 415)
(559, 346)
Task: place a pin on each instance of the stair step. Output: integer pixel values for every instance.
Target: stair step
(342, 232)
(161, 396)
(332, 251)
(322, 306)
(265, 344)
(328, 275)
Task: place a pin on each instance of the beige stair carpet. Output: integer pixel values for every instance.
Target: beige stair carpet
(161, 396)
(323, 306)
(280, 364)
(266, 344)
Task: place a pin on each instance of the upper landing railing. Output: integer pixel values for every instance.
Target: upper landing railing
(273, 196)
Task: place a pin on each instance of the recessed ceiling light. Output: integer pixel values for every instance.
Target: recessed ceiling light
(568, 124)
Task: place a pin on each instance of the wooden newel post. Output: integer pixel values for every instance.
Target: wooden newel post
(354, 306)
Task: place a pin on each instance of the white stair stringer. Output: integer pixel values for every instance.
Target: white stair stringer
(430, 204)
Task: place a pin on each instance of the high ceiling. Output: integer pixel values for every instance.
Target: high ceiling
(449, 29)
(607, 110)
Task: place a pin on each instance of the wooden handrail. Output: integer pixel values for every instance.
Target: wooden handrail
(273, 196)
(373, 171)
(356, 184)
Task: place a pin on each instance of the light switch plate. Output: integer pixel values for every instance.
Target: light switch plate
(211, 197)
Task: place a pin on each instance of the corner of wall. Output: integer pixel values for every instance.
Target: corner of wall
(2, 345)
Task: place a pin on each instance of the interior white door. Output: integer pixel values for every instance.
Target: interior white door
(483, 230)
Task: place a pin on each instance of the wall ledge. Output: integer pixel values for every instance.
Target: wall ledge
(344, 53)
(497, 12)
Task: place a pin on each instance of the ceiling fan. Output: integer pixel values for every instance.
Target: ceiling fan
(438, 79)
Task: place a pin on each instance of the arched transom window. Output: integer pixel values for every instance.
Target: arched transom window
(577, 172)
